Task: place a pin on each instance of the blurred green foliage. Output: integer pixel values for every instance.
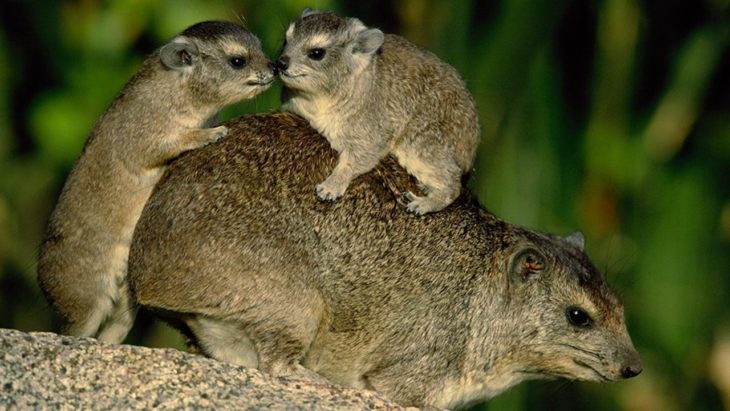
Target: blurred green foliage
(607, 116)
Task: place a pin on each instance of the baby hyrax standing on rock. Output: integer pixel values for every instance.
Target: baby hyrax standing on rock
(159, 114)
(371, 95)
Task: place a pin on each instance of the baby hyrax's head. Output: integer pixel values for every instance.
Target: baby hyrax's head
(221, 62)
(568, 321)
(323, 51)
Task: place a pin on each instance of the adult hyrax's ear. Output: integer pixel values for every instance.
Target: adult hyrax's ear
(179, 54)
(368, 41)
(526, 264)
(576, 240)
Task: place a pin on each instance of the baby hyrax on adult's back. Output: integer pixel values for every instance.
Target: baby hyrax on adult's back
(372, 94)
(160, 113)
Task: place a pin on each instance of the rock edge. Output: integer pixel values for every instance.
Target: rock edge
(41, 370)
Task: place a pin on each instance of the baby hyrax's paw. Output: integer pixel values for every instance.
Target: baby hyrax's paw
(331, 189)
(217, 133)
(422, 205)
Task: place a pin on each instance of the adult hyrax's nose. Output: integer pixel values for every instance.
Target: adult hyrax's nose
(632, 364)
(283, 63)
(272, 67)
(631, 371)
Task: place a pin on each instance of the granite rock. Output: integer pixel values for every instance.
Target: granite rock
(41, 370)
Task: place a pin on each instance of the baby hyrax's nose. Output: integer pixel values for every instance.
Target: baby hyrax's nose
(283, 63)
(272, 67)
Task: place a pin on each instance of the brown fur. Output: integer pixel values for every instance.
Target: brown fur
(441, 310)
(160, 113)
(372, 94)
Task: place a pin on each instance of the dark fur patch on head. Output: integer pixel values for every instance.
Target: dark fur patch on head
(217, 30)
(324, 22)
(589, 279)
(577, 267)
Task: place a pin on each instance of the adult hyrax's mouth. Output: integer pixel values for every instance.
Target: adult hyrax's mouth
(598, 375)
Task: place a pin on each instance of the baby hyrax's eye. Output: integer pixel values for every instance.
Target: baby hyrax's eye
(578, 317)
(316, 54)
(237, 62)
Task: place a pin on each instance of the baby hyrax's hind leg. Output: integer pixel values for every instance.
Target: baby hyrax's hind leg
(121, 317)
(109, 312)
(435, 200)
(441, 184)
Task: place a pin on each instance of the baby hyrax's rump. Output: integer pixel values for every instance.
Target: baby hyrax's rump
(160, 113)
(372, 94)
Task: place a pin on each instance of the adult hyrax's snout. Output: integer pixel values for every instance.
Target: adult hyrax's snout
(630, 363)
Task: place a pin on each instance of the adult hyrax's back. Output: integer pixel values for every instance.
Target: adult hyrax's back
(372, 95)
(441, 310)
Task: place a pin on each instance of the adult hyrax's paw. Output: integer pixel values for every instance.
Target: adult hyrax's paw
(422, 205)
(330, 189)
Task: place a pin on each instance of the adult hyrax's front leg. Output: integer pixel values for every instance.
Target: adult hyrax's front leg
(350, 164)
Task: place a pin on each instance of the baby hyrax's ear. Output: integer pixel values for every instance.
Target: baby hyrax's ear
(307, 12)
(368, 41)
(179, 54)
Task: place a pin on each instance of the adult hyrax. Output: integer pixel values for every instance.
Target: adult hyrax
(233, 248)
(160, 113)
(371, 95)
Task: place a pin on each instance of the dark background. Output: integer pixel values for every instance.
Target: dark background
(609, 117)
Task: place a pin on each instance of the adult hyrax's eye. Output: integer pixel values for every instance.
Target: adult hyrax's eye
(578, 317)
(316, 54)
(237, 62)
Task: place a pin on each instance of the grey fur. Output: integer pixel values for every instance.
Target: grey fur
(374, 94)
(443, 310)
(158, 115)
(577, 240)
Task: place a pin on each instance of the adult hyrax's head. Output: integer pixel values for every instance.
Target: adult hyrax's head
(221, 62)
(568, 322)
(323, 50)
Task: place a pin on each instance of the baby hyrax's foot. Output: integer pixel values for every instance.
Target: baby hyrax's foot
(332, 188)
(216, 133)
(423, 205)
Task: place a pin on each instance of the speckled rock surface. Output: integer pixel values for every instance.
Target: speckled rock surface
(49, 371)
